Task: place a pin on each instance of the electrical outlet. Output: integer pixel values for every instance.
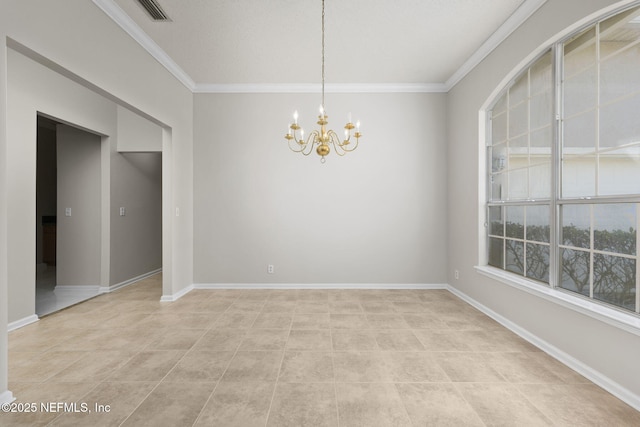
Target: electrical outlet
(67, 211)
(456, 274)
(270, 269)
(122, 211)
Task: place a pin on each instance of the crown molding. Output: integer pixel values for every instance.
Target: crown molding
(115, 12)
(316, 88)
(517, 18)
(111, 9)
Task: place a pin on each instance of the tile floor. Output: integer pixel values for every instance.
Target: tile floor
(293, 358)
(48, 299)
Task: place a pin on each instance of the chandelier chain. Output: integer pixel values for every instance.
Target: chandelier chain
(322, 53)
(323, 139)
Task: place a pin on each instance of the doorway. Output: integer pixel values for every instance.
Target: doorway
(68, 215)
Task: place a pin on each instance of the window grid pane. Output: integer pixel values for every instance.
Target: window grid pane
(599, 251)
(614, 280)
(601, 97)
(519, 240)
(521, 136)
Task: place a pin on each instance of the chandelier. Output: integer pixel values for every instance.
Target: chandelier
(322, 139)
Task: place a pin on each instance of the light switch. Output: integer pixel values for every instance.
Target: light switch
(122, 211)
(67, 211)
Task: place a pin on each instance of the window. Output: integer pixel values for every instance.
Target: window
(563, 157)
(520, 174)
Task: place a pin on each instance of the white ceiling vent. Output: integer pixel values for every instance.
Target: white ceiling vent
(154, 9)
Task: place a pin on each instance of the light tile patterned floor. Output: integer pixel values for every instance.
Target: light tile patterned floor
(293, 358)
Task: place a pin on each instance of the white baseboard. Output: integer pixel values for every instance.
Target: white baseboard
(22, 322)
(596, 377)
(319, 286)
(183, 292)
(6, 397)
(79, 291)
(111, 288)
(177, 295)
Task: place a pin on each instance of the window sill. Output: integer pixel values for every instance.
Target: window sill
(624, 321)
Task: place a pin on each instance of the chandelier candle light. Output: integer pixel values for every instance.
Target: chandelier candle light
(323, 138)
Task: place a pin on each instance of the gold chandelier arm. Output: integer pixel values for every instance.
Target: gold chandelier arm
(305, 147)
(342, 147)
(349, 146)
(334, 140)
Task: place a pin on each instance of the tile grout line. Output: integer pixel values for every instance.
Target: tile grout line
(82, 397)
(406, 411)
(225, 369)
(333, 367)
(165, 376)
(455, 386)
(275, 385)
(514, 385)
(105, 380)
(154, 388)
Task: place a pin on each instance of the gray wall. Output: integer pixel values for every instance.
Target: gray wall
(79, 237)
(376, 215)
(136, 238)
(137, 134)
(606, 350)
(136, 185)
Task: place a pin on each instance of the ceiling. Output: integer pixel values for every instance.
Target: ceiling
(236, 42)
